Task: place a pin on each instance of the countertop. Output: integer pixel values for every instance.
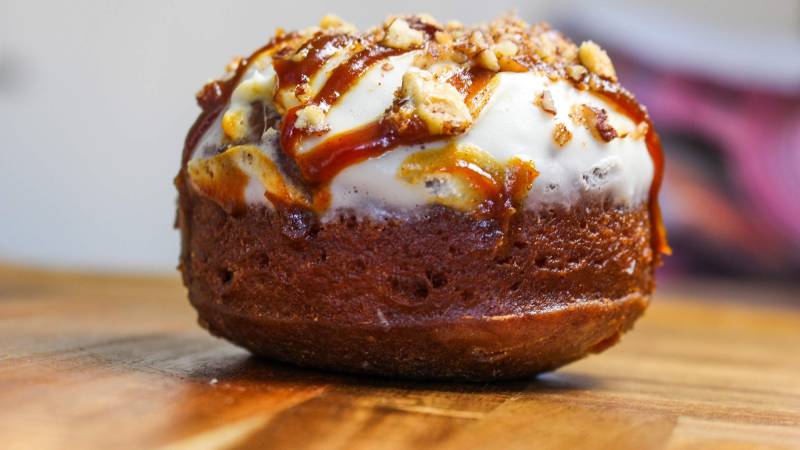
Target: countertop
(116, 362)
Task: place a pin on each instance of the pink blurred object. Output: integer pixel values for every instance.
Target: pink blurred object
(758, 132)
(728, 98)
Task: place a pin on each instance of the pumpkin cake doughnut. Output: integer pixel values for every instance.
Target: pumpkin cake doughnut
(421, 199)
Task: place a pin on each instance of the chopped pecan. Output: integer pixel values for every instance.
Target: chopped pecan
(561, 135)
(545, 101)
(596, 60)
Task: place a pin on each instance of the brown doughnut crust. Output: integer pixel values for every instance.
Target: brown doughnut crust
(439, 295)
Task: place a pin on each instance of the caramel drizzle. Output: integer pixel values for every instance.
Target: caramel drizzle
(502, 187)
(341, 80)
(472, 84)
(337, 153)
(508, 192)
(320, 48)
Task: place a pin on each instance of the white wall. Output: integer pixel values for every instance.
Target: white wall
(96, 97)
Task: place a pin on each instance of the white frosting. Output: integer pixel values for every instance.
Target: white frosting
(510, 125)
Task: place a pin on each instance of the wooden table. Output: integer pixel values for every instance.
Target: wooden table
(117, 362)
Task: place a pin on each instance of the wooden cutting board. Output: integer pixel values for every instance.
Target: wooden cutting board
(117, 362)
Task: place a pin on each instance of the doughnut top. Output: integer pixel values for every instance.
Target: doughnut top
(485, 119)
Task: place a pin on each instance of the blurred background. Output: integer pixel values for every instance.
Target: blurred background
(96, 98)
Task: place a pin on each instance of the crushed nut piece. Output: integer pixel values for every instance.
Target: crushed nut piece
(303, 92)
(459, 57)
(334, 22)
(312, 119)
(545, 101)
(596, 60)
(477, 40)
(443, 38)
(565, 50)
(505, 49)
(604, 129)
(401, 36)
(576, 114)
(552, 74)
(428, 19)
(330, 21)
(488, 60)
(546, 48)
(387, 66)
(437, 103)
(561, 135)
(454, 25)
(595, 120)
(576, 72)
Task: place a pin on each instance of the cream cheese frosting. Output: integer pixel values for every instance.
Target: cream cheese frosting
(580, 143)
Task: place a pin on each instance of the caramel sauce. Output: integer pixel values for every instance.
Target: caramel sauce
(340, 81)
(517, 180)
(473, 85)
(337, 153)
(320, 48)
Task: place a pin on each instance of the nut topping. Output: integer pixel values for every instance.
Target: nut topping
(311, 119)
(334, 22)
(596, 60)
(436, 102)
(545, 101)
(576, 72)
(401, 36)
(561, 135)
(488, 60)
(595, 120)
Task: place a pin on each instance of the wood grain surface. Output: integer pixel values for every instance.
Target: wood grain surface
(118, 362)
